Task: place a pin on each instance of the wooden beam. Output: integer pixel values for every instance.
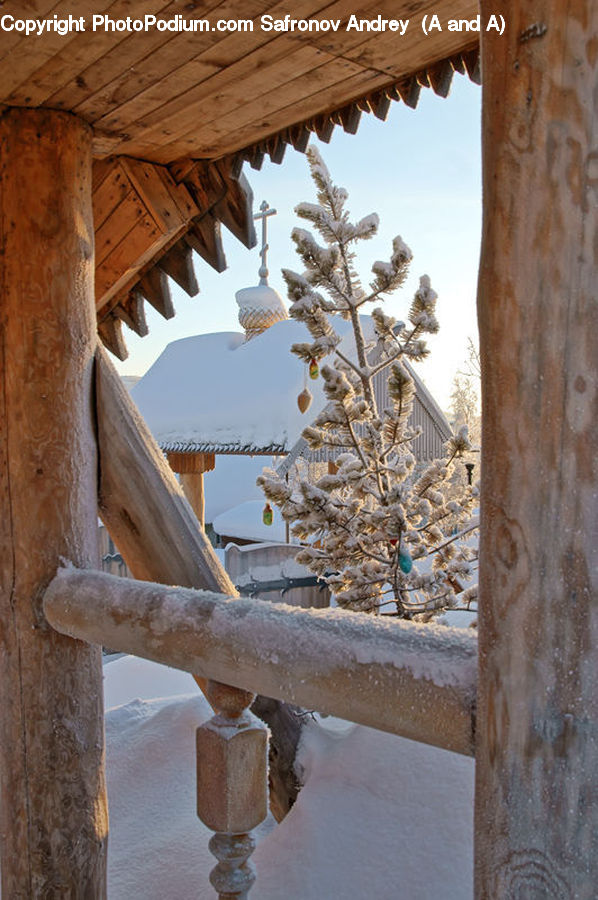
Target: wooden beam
(141, 502)
(53, 817)
(178, 263)
(154, 287)
(537, 752)
(132, 312)
(204, 237)
(414, 680)
(110, 332)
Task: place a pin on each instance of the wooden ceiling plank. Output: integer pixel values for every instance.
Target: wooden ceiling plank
(117, 226)
(178, 263)
(100, 171)
(165, 58)
(418, 56)
(156, 290)
(115, 270)
(205, 238)
(230, 48)
(304, 84)
(111, 191)
(12, 39)
(262, 71)
(353, 86)
(169, 203)
(66, 68)
(21, 61)
(111, 53)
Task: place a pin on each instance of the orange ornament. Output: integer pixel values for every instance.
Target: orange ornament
(304, 400)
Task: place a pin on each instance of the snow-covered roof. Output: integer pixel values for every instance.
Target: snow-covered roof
(218, 393)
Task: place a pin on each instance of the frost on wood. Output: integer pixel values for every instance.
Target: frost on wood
(414, 680)
(378, 530)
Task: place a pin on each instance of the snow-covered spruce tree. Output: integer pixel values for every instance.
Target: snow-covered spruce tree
(378, 531)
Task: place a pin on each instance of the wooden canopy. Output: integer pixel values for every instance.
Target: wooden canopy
(161, 95)
(176, 112)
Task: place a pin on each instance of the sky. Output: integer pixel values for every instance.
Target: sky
(420, 171)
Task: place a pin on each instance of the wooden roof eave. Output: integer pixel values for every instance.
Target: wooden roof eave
(219, 194)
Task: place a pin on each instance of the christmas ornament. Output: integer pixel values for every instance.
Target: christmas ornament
(314, 369)
(393, 542)
(267, 515)
(304, 400)
(405, 562)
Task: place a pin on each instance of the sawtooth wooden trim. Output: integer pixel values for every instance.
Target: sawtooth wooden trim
(407, 89)
(192, 198)
(413, 680)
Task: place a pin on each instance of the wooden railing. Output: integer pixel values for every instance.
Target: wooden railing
(417, 681)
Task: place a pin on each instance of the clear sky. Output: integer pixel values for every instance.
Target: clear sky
(420, 171)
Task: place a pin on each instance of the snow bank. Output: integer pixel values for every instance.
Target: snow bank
(378, 817)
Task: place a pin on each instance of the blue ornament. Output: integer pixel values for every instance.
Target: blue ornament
(405, 562)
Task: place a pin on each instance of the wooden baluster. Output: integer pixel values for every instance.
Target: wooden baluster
(232, 787)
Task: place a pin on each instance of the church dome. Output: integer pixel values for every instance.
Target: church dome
(260, 306)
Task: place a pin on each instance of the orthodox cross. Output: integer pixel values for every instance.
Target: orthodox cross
(265, 211)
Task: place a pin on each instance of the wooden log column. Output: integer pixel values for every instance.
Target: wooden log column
(53, 818)
(536, 822)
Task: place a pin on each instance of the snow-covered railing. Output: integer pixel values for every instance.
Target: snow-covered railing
(417, 681)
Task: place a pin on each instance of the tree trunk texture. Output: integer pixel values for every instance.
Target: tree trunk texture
(53, 817)
(285, 722)
(536, 822)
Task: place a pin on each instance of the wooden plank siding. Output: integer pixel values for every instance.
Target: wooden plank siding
(159, 95)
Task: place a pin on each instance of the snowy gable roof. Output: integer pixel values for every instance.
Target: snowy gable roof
(217, 393)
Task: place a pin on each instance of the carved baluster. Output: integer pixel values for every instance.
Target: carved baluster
(232, 788)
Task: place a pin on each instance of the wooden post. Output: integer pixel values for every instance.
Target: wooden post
(191, 467)
(537, 748)
(232, 786)
(53, 819)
